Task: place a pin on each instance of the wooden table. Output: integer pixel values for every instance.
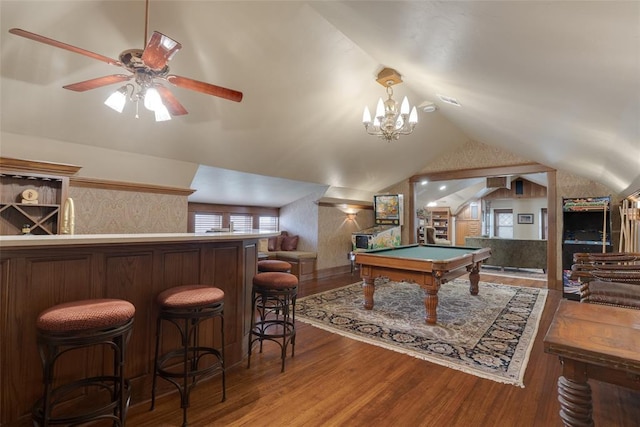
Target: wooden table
(593, 342)
(429, 266)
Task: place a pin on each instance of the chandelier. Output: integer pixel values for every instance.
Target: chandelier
(390, 122)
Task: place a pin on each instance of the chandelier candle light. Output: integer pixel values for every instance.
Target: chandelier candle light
(389, 122)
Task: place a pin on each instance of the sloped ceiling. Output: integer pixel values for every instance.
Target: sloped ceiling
(553, 82)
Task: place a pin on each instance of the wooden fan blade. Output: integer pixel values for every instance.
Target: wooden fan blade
(170, 101)
(55, 43)
(98, 82)
(209, 89)
(159, 50)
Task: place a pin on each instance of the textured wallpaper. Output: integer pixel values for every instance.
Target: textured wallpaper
(105, 211)
(334, 235)
(473, 155)
(301, 218)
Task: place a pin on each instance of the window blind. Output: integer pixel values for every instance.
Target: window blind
(242, 222)
(207, 221)
(268, 223)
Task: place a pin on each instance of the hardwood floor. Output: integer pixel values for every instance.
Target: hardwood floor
(336, 381)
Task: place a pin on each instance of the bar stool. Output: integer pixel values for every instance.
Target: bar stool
(274, 300)
(276, 265)
(75, 325)
(186, 307)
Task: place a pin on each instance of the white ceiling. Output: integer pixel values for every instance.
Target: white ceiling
(554, 82)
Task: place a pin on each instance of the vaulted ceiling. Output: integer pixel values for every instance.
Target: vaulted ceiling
(555, 82)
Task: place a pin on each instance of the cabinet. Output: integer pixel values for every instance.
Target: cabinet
(43, 213)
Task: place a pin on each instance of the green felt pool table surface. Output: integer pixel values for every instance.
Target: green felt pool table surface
(424, 252)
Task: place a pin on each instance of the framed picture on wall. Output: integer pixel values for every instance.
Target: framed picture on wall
(525, 218)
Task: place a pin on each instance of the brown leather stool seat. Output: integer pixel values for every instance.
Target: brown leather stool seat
(75, 325)
(274, 265)
(186, 307)
(273, 308)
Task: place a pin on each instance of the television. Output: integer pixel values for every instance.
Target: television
(388, 209)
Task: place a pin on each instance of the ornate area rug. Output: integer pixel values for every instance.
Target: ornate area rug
(489, 335)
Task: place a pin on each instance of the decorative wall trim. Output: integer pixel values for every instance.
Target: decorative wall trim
(128, 186)
(38, 166)
(523, 168)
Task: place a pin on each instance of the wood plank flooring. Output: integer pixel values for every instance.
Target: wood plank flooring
(336, 381)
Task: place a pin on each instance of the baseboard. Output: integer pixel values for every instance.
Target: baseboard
(334, 271)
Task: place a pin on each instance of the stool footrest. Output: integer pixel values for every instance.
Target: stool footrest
(108, 383)
(261, 327)
(178, 356)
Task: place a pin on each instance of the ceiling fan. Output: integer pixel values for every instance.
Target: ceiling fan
(148, 68)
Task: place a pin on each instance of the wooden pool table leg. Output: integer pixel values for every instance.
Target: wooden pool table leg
(474, 279)
(368, 288)
(431, 305)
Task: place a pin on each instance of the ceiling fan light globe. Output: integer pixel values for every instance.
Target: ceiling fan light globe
(116, 101)
(152, 100)
(162, 114)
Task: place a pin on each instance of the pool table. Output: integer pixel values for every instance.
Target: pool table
(427, 265)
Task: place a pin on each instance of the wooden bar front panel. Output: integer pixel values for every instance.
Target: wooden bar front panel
(32, 280)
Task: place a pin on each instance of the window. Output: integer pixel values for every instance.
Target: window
(242, 222)
(268, 223)
(207, 221)
(504, 223)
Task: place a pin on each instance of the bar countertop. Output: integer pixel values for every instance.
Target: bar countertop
(38, 241)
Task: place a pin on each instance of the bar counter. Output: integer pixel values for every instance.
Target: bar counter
(37, 272)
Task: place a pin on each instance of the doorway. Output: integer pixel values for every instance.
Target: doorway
(551, 218)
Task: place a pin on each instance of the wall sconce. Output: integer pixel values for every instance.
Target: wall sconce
(351, 216)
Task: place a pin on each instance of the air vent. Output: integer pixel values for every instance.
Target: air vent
(449, 100)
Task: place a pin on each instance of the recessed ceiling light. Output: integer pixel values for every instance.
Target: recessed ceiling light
(443, 187)
(449, 100)
(428, 107)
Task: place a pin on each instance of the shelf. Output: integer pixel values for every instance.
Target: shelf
(438, 219)
(43, 217)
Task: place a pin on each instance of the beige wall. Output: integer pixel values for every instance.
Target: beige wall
(301, 218)
(334, 235)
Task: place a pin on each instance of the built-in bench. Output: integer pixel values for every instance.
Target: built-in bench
(303, 263)
(519, 253)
